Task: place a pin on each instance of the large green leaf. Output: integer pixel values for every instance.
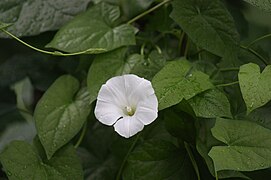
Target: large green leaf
(211, 104)
(61, 113)
(96, 28)
(160, 160)
(205, 141)
(208, 24)
(247, 146)
(33, 17)
(262, 4)
(109, 65)
(177, 81)
(21, 161)
(255, 86)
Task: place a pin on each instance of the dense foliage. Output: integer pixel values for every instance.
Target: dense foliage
(208, 62)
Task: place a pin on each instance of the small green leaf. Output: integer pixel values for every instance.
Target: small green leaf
(108, 65)
(262, 4)
(21, 161)
(160, 160)
(208, 24)
(177, 81)
(255, 86)
(34, 17)
(247, 146)
(211, 104)
(61, 113)
(94, 29)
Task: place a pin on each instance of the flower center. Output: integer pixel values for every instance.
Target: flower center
(129, 110)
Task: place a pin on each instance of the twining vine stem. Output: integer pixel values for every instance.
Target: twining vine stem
(227, 84)
(55, 53)
(83, 132)
(126, 157)
(256, 54)
(258, 39)
(148, 11)
(189, 151)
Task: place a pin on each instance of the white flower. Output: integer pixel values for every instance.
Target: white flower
(128, 102)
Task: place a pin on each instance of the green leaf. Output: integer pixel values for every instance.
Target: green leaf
(21, 161)
(160, 160)
(262, 4)
(108, 65)
(177, 81)
(247, 146)
(61, 113)
(148, 67)
(205, 141)
(211, 104)
(208, 24)
(96, 28)
(262, 116)
(255, 86)
(34, 17)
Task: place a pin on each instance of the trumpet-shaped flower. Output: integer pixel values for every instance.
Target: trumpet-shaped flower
(128, 102)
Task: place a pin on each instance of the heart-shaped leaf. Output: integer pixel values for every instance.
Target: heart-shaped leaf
(61, 113)
(176, 81)
(208, 23)
(96, 28)
(21, 161)
(248, 146)
(255, 86)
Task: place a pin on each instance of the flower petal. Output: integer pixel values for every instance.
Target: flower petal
(116, 86)
(137, 88)
(147, 110)
(107, 113)
(128, 126)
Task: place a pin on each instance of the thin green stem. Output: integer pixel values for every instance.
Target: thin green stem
(147, 12)
(256, 54)
(258, 39)
(158, 49)
(126, 157)
(216, 175)
(55, 53)
(229, 69)
(181, 41)
(83, 132)
(227, 84)
(189, 151)
(186, 48)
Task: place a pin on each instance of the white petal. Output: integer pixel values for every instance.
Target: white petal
(137, 88)
(128, 126)
(107, 113)
(147, 110)
(116, 86)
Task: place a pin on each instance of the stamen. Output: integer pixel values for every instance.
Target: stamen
(129, 110)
